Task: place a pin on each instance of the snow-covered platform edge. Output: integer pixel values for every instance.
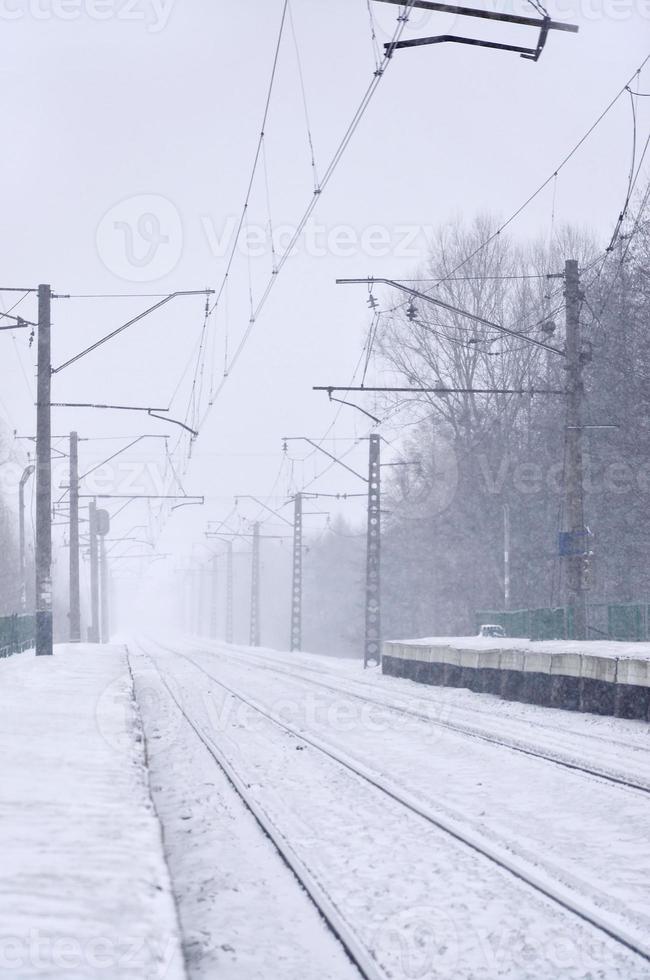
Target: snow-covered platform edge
(604, 678)
(85, 887)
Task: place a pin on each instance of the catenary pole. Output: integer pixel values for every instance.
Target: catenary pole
(372, 646)
(506, 557)
(296, 580)
(103, 576)
(93, 632)
(574, 485)
(214, 598)
(75, 605)
(230, 588)
(255, 588)
(44, 477)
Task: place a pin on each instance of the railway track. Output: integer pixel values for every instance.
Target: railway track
(559, 894)
(554, 728)
(334, 920)
(608, 775)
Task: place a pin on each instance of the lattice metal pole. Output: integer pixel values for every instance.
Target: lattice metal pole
(574, 476)
(255, 588)
(372, 651)
(75, 602)
(229, 593)
(214, 599)
(296, 585)
(197, 582)
(93, 631)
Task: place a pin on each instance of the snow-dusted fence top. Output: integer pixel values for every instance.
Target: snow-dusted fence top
(624, 621)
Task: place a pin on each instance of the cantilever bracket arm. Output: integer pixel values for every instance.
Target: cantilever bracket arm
(129, 323)
(531, 53)
(151, 412)
(545, 25)
(417, 294)
(19, 322)
(164, 418)
(342, 401)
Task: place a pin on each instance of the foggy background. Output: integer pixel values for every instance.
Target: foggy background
(115, 112)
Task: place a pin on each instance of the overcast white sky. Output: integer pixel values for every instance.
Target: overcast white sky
(114, 110)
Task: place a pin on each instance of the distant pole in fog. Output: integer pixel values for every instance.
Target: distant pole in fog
(214, 598)
(199, 580)
(506, 557)
(372, 645)
(255, 588)
(104, 591)
(296, 581)
(93, 631)
(230, 586)
(75, 603)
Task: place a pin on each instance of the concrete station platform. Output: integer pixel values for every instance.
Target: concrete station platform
(604, 678)
(85, 889)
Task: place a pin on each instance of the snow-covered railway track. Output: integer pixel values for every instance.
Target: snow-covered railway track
(561, 895)
(336, 923)
(346, 687)
(425, 693)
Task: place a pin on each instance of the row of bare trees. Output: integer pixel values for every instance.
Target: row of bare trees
(475, 463)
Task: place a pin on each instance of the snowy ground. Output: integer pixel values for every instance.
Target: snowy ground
(361, 780)
(84, 890)
(425, 904)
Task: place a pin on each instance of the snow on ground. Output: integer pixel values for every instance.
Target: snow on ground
(242, 912)
(427, 905)
(84, 890)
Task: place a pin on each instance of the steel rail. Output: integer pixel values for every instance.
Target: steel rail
(558, 893)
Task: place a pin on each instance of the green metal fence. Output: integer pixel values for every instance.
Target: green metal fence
(16, 634)
(627, 621)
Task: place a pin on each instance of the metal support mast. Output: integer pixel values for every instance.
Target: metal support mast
(372, 648)
(296, 582)
(199, 595)
(103, 565)
(229, 593)
(214, 598)
(44, 478)
(255, 588)
(577, 546)
(506, 557)
(75, 605)
(93, 631)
